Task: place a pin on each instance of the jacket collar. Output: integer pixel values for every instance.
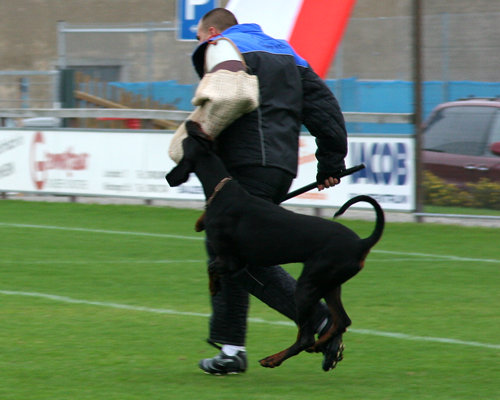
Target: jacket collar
(198, 56)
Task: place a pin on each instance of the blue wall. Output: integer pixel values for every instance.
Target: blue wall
(164, 92)
(353, 95)
(397, 97)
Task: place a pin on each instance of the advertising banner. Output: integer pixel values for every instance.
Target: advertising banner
(134, 164)
(389, 174)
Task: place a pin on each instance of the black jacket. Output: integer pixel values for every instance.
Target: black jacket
(291, 94)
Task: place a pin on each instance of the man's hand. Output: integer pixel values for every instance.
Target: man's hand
(327, 179)
(329, 182)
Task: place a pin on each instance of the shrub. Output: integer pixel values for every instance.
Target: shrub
(439, 193)
(486, 194)
(483, 194)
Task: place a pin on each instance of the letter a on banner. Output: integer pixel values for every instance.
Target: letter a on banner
(313, 27)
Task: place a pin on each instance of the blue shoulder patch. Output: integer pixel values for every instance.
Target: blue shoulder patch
(249, 38)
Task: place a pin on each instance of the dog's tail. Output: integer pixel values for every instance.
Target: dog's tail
(370, 241)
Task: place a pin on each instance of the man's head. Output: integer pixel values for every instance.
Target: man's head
(214, 22)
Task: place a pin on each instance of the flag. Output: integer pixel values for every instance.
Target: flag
(314, 28)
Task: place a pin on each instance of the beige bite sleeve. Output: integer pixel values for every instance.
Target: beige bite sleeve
(221, 97)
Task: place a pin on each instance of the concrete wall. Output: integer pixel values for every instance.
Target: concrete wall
(460, 40)
(28, 32)
(374, 47)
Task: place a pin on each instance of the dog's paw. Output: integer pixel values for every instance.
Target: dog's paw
(333, 353)
(270, 362)
(275, 360)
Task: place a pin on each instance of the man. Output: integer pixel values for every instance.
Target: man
(254, 96)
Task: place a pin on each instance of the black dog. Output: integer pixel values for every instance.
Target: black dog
(245, 230)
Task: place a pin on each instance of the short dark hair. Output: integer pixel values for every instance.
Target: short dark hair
(219, 18)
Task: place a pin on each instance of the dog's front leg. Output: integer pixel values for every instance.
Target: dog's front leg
(305, 338)
(217, 268)
(214, 276)
(305, 297)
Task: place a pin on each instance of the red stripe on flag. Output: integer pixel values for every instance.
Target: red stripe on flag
(318, 31)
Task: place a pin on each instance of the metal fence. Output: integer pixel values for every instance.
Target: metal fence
(126, 52)
(456, 47)
(29, 88)
(487, 220)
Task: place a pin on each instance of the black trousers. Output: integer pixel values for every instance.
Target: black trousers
(272, 285)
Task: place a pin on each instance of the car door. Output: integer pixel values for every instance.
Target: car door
(493, 158)
(457, 141)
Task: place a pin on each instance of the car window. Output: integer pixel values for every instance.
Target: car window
(459, 130)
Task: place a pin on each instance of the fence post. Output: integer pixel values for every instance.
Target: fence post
(445, 23)
(417, 106)
(61, 44)
(56, 84)
(24, 90)
(66, 89)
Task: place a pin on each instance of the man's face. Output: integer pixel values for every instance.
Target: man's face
(203, 34)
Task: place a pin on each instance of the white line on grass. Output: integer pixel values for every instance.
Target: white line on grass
(93, 262)
(182, 237)
(438, 256)
(405, 259)
(105, 231)
(370, 332)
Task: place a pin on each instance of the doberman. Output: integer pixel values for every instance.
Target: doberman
(245, 230)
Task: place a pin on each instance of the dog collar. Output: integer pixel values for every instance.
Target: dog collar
(217, 189)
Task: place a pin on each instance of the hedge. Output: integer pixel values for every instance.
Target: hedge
(483, 194)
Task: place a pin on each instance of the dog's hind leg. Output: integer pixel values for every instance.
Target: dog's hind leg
(339, 318)
(306, 296)
(330, 342)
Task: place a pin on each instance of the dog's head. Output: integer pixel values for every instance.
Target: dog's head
(194, 145)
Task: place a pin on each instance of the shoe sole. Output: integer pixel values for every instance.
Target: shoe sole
(208, 372)
(222, 373)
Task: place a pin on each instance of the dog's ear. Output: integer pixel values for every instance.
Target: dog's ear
(179, 174)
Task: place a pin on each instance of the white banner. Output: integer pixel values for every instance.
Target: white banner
(389, 175)
(134, 164)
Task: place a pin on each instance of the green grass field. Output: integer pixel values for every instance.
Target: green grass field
(110, 302)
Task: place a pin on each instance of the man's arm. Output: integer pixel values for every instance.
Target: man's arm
(324, 120)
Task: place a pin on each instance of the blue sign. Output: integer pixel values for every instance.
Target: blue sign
(189, 13)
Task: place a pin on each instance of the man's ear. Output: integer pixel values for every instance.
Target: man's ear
(179, 174)
(213, 31)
